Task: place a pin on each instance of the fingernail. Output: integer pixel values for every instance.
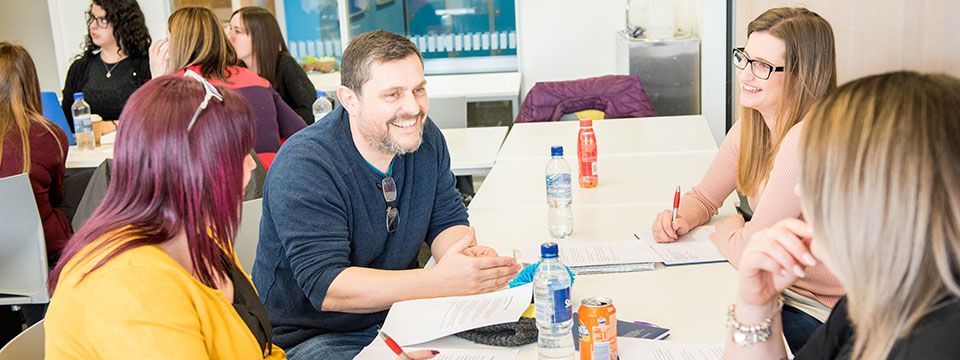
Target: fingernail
(434, 352)
(799, 271)
(809, 260)
(784, 273)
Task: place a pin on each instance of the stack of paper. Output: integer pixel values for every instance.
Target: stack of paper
(620, 256)
(417, 321)
(630, 348)
(694, 247)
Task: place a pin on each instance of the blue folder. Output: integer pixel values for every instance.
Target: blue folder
(53, 112)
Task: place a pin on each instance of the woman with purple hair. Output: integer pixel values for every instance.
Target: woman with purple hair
(153, 273)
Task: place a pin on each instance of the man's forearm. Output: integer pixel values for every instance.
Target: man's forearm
(364, 290)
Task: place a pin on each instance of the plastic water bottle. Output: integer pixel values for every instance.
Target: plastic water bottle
(551, 298)
(82, 125)
(321, 107)
(559, 197)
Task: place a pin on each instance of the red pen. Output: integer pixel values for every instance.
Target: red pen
(393, 346)
(676, 202)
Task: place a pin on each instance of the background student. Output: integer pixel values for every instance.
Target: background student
(789, 61)
(153, 274)
(114, 62)
(256, 37)
(882, 203)
(197, 42)
(31, 144)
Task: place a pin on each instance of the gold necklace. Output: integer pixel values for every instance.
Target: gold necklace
(110, 69)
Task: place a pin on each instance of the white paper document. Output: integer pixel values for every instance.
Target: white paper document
(593, 254)
(693, 248)
(417, 321)
(379, 351)
(631, 348)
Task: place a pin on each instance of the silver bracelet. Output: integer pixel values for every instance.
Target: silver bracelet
(750, 335)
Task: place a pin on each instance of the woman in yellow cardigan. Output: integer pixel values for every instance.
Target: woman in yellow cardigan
(152, 274)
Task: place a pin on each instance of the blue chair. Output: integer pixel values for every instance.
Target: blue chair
(53, 112)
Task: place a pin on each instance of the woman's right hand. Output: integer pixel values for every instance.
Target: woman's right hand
(665, 229)
(159, 58)
(774, 259)
(421, 355)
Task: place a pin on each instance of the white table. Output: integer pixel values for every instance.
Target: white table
(663, 134)
(473, 151)
(640, 165)
(88, 159)
(689, 300)
(502, 86)
(626, 179)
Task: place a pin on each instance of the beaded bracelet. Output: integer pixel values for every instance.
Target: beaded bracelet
(750, 335)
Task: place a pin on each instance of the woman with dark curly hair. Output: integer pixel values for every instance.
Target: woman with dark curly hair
(114, 62)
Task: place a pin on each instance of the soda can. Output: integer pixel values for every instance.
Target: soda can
(598, 329)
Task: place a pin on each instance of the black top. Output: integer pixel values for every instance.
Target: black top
(106, 96)
(934, 337)
(248, 306)
(295, 88)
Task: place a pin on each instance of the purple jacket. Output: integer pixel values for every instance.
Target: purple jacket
(618, 96)
(274, 118)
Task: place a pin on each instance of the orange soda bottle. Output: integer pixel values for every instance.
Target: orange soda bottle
(587, 154)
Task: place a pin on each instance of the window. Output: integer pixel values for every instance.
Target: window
(454, 36)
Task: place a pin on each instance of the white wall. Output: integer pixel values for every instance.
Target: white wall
(26, 23)
(568, 39)
(69, 27)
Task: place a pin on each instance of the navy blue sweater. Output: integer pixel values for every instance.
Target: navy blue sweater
(323, 212)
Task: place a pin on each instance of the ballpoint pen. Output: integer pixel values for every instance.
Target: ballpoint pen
(676, 202)
(393, 346)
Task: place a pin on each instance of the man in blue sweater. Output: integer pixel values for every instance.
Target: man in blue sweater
(349, 200)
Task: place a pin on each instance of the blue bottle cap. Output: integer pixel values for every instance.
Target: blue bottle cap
(556, 151)
(77, 95)
(321, 93)
(549, 250)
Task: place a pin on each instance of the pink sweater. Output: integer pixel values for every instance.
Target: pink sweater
(776, 201)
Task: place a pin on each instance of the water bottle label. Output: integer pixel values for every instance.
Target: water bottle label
(562, 311)
(558, 186)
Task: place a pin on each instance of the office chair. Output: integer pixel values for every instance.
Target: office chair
(449, 113)
(53, 112)
(248, 234)
(26, 346)
(23, 250)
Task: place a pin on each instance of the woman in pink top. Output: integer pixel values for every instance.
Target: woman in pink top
(789, 61)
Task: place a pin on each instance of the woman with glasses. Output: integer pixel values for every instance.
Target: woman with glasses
(114, 62)
(878, 184)
(256, 37)
(788, 62)
(197, 42)
(153, 273)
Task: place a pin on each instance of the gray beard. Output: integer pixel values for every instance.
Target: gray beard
(385, 144)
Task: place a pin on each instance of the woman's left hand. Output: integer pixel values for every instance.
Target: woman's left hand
(159, 58)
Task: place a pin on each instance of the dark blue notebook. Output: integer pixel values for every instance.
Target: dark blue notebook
(624, 329)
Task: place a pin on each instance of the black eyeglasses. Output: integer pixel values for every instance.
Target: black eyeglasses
(389, 188)
(101, 20)
(759, 68)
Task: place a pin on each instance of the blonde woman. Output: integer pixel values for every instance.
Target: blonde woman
(880, 191)
(788, 62)
(197, 42)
